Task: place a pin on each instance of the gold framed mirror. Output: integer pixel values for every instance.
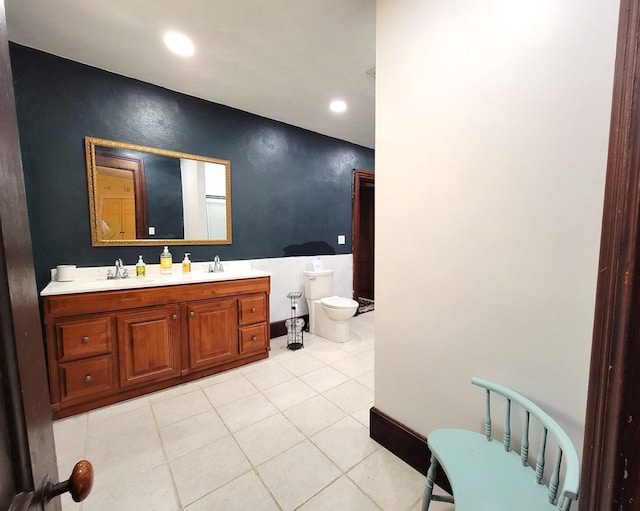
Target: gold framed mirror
(142, 195)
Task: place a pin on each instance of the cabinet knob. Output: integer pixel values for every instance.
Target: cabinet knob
(191, 314)
(174, 316)
(85, 340)
(253, 309)
(87, 378)
(254, 338)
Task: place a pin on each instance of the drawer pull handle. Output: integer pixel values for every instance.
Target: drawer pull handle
(254, 338)
(253, 309)
(174, 316)
(191, 314)
(85, 340)
(87, 378)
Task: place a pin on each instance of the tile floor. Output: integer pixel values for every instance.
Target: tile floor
(289, 432)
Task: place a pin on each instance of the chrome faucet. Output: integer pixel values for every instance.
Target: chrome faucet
(120, 272)
(216, 267)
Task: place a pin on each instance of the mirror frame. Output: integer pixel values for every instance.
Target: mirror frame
(90, 150)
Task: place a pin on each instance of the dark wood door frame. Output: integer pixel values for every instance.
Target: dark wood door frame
(360, 177)
(611, 451)
(27, 433)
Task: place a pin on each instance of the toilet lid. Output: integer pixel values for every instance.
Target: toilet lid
(338, 302)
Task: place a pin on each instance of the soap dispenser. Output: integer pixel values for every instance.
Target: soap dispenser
(166, 261)
(186, 263)
(141, 268)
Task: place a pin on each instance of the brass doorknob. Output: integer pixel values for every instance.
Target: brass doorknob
(78, 485)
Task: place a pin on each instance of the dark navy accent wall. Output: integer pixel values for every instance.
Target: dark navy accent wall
(289, 186)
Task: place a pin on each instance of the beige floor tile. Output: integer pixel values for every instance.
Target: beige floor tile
(268, 438)
(327, 351)
(180, 407)
(350, 396)
(118, 408)
(314, 414)
(353, 366)
(246, 411)
(192, 433)
(324, 378)
(245, 492)
(72, 434)
(116, 459)
(289, 393)
(346, 442)
(341, 495)
(229, 390)
(207, 381)
(390, 482)
(363, 415)
(301, 363)
(366, 379)
(152, 490)
(208, 468)
(269, 376)
(133, 421)
(174, 391)
(298, 474)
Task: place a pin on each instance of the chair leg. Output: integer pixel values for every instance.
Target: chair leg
(428, 489)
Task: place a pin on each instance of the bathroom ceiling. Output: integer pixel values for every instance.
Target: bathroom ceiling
(281, 59)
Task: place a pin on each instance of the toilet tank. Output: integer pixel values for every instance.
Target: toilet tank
(318, 284)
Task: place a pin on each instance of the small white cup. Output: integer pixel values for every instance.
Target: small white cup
(65, 272)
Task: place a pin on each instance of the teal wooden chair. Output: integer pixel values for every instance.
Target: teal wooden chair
(486, 475)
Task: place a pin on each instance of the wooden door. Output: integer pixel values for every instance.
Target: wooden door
(611, 451)
(363, 233)
(213, 332)
(149, 345)
(27, 452)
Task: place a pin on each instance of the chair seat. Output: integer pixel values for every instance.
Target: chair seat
(483, 476)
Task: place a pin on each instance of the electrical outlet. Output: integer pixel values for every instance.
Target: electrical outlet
(152, 231)
(341, 239)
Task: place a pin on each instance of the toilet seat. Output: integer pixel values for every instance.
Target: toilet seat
(338, 302)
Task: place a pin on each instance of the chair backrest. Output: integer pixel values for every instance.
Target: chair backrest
(566, 451)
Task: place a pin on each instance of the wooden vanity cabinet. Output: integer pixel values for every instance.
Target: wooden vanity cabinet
(107, 346)
(212, 332)
(148, 345)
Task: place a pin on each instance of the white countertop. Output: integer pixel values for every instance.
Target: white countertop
(92, 279)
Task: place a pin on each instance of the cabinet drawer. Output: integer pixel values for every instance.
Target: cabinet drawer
(253, 338)
(79, 339)
(253, 309)
(85, 378)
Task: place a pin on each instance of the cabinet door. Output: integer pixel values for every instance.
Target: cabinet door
(213, 332)
(149, 344)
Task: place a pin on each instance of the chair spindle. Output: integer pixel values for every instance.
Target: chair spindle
(555, 478)
(540, 460)
(506, 438)
(487, 419)
(524, 448)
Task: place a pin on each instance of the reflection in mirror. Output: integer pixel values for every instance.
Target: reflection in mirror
(147, 196)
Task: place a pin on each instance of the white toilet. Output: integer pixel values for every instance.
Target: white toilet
(328, 315)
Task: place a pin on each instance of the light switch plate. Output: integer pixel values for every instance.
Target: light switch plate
(152, 231)
(341, 239)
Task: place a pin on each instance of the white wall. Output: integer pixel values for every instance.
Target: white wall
(286, 276)
(492, 124)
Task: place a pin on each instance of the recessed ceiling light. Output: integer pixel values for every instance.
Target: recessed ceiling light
(179, 43)
(338, 106)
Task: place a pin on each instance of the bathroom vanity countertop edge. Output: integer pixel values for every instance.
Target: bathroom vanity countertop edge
(152, 279)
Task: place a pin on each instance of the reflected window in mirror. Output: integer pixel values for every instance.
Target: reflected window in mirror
(148, 196)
